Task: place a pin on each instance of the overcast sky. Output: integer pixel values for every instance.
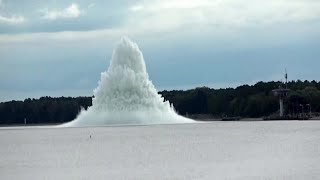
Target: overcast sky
(56, 48)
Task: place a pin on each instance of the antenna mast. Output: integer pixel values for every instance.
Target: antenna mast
(286, 76)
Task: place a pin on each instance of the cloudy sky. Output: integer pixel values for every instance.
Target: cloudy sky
(55, 48)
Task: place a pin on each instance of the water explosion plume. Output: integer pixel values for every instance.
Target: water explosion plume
(125, 95)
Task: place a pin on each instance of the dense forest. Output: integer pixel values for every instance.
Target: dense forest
(246, 101)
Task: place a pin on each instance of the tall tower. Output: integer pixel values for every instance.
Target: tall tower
(282, 94)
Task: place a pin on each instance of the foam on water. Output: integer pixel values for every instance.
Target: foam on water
(125, 95)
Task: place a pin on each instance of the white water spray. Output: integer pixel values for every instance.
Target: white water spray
(125, 95)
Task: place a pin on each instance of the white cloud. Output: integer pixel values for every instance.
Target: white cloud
(136, 8)
(13, 20)
(63, 36)
(173, 14)
(73, 11)
(174, 18)
(91, 5)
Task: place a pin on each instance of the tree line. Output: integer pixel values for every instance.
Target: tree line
(246, 101)
(46, 110)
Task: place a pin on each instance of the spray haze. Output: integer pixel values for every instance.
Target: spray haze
(125, 95)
